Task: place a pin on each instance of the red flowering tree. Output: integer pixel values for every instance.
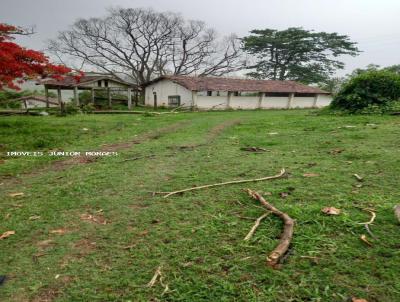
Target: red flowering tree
(18, 63)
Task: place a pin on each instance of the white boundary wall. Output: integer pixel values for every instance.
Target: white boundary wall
(215, 102)
(274, 102)
(303, 102)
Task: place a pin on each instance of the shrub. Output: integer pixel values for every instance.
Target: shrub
(371, 90)
(87, 108)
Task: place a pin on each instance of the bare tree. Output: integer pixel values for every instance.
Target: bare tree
(144, 44)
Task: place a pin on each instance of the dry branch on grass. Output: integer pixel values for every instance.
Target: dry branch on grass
(255, 226)
(397, 211)
(158, 276)
(366, 224)
(287, 234)
(137, 158)
(280, 175)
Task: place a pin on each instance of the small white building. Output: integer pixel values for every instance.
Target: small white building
(90, 82)
(232, 93)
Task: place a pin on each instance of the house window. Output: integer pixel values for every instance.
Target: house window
(105, 83)
(99, 83)
(174, 100)
(209, 93)
(236, 93)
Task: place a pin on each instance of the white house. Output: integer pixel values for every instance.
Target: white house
(223, 93)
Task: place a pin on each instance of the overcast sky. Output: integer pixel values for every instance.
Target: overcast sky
(375, 24)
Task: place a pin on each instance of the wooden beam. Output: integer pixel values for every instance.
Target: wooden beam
(129, 91)
(155, 100)
(46, 92)
(109, 98)
(59, 96)
(76, 96)
(92, 95)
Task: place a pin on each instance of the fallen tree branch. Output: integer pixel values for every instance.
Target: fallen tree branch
(365, 240)
(358, 177)
(155, 277)
(255, 226)
(366, 224)
(397, 211)
(280, 175)
(158, 276)
(179, 107)
(287, 234)
(137, 157)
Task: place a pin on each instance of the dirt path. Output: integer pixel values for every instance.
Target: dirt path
(61, 165)
(212, 134)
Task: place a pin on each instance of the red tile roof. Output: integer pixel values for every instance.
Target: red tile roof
(234, 84)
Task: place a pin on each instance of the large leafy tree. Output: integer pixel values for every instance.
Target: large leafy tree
(296, 54)
(379, 88)
(374, 67)
(18, 63)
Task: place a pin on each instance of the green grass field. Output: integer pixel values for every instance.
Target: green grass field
(93, 231)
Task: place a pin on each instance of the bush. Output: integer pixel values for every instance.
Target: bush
(88, 108)
(376, 90)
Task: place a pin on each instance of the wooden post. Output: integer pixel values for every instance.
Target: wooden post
(136, 98)
(129, 98)
(194, 99)
(316, 97)
(228, 100)
(76, 96)
(155, 99)
(59, 96)
(290, 100)
(46, 92)
(92, 94)
(109, 98)
(260, 99)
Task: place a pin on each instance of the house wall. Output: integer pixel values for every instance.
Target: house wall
(302, 102)
(216, 102)
(165, 88)
(274, 102)
(324, 100)
(244, 102)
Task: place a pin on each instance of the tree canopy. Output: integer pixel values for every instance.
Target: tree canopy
(380, 88)
(296, 54)
(143, 44)
(18, 63)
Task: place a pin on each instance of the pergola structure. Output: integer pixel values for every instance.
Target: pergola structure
(90, 82)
